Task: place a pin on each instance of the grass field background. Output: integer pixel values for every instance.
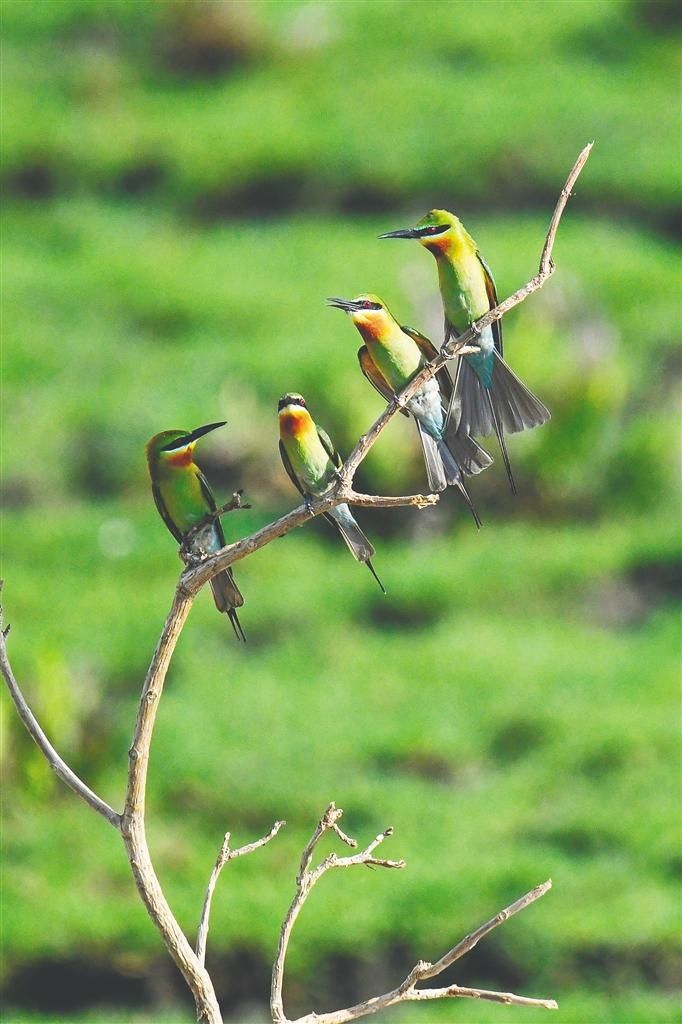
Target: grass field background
(184, 184)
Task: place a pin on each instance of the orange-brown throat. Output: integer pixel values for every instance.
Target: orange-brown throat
(439, 244)
(294, 420)
(371, 329)
(181, 459)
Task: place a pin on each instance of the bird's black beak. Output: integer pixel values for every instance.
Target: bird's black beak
(200, 431)
(347, 305)
(182, 442)
(401, 233)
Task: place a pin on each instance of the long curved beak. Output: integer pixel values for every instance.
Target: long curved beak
(182, 442)
(401, 233)
(200, 431)
(347, 305)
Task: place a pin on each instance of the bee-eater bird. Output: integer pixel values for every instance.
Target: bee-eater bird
(184, 499)
(389, 359)
(312, 463)
(488, 395)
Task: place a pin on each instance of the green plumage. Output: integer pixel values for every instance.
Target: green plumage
(183, 498)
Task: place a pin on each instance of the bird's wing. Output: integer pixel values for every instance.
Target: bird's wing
(326, 442)
(163, 512)
(375, 377)
(491, 291)
(430, 352)
(286, 462)
(210, 501)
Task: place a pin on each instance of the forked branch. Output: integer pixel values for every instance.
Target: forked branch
(306, 879)
(59, 766)
(407, 990)
(224, 857)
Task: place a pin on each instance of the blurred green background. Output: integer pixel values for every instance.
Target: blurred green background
(184, 184)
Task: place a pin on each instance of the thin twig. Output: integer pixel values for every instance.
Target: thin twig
(456, 991)
(59, 766)
(407, 990)
(469, 941)
(225, 855)
(546, 259)
(307, 878)
(399, 501)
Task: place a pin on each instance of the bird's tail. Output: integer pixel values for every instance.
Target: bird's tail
(443, 468)
(508, 401)
(454, 476)
(467, 452)
(435, 470)
(228, 598)
(507, 406)
(516, 406)
(358, 544)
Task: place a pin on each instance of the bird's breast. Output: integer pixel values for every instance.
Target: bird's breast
(398, 359)
(296, 425)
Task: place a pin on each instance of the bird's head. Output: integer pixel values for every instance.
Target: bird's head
(291, 402)
(294, 418)
(368, 312)
(435, 231)
(174, 448)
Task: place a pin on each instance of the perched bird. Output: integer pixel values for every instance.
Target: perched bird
(389, 359)
(488, 395)
(184, 499)
(312, 462)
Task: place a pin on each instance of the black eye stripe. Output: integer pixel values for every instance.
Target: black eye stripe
(371, 305)
(432, 229)
(290, 400)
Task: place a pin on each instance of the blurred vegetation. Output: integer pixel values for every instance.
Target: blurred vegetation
(185, 183)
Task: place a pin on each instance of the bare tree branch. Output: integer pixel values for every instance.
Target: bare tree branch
(59, 766)
(546, 258)
(401, 501)
(133, 828)
(469, 941)
(306, 879)
(225, 855)
(407, 990)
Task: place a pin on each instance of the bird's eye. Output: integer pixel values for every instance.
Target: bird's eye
(434, 229)
(368, 304)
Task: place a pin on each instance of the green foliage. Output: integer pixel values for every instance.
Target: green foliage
(187, 183)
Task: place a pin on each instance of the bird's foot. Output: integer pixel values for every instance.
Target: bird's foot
(191, 556)
(308, 502)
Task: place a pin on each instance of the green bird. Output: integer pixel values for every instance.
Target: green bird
(390, 358)
(488, 396)
(183, 498)
(312, 463)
